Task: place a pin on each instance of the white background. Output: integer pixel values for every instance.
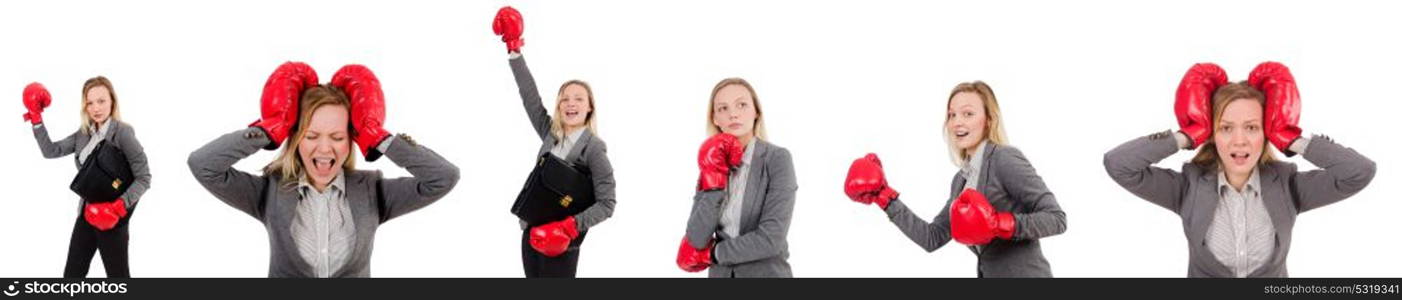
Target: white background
(836, 79)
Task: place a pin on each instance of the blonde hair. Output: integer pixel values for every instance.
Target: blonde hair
(1207, 155)
(288, 163)
(83, 112)
(993, 132)
(712, 129)
(557, 123)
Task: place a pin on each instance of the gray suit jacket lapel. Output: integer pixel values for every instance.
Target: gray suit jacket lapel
(112, 130)
(280, 213)
(1277, 205)
(1201, 216)
(81, 142)
(577, 152)
(982, 186)
(753, 199)
(987, 167)
(360, 195)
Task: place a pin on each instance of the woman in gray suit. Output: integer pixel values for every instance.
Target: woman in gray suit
(998, 205)
(102, 226)
(744, 198)
(1238, 203)
(552, 249)
(320, 212)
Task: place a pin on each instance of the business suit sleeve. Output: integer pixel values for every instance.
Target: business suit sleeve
(930, 236)
(705, 217)
(213, 166)
(51, 149)
(136, 157)
(530, 97)
(1132, 166)
(1044, 217)
(770, 238)
(1342, 172)
(601, 171)
(433, 177)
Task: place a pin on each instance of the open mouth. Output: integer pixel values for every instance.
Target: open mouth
(1240, 158)
(960, 133)
(571, 114)
(323, 164)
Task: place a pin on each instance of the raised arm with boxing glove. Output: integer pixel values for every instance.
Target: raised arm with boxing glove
(718, 155)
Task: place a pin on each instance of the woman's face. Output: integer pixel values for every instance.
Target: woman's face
(326, 145)
(574, 106)
(734, 112)
(99, 104)
(1239, 137)
(966, 120)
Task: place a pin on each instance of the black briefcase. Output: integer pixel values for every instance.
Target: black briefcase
(555, 189)
(105, 175)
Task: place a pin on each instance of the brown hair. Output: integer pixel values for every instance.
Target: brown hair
(994, 132)
(557, 124)
(712, 129)
(288, 165)
(1207, 155)
(89, 85)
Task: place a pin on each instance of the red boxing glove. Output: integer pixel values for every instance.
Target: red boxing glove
(367, 107)
(693, 260)
(552, 239)
(509, 25)
(1282, 103)
(972, 221)
(718, 154)
(281, 95)
(1193, 104)
(104, 216)
(36, 99)
(866, 182)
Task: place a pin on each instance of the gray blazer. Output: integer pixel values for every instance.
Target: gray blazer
(373, 199)
(1010, 184)
(762, 249)
(590, 151)
(121, 135)
(1193, 194)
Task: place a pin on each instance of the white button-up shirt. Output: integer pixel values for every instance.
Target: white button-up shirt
(98, 133)
(1241, 235)
(323, 227)
(735, 194)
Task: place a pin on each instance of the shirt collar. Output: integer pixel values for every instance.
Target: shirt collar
(975, 162)
(574, 137)
(749, 152)
(1253, 183)
(100, 131)
(304, 187)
